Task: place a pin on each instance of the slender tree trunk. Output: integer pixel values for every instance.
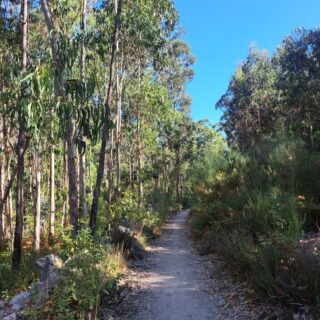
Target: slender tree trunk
(7, 203)
(118, 136)
(178, 196)
(82, 161)
(139, 161)
(52, 194)
(82, 185)
(65, 183)
(20, 148)
(110, 169)
(2, 179)
(130, 170)
(18, 233)
(72, 175)
(139, 149)
(9, 216)
(37, 214)
(105, 129)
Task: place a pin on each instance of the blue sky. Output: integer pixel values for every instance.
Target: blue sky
(221, 31)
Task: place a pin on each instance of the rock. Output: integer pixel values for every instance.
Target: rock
(2, 305)
(125, 230)
(40, 293)
(12, 316)
(20, 301)
(48, 271)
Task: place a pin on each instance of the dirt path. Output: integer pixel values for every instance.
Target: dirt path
(174, 282)
(175, 286)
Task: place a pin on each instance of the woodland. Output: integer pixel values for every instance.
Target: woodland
(96, 136)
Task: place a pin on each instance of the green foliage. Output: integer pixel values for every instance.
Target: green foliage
(246, 208)
(18, 281)
(91, 272)
(87, 277)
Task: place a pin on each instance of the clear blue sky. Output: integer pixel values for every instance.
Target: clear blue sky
(221, 31)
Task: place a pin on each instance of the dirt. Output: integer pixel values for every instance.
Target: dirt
(175, 283)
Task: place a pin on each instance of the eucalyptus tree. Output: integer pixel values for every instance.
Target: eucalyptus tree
(250, 105)
(297, 61)
(147, 23)
(83, 43)
(106, 125)
(21, 145)
(66, 94)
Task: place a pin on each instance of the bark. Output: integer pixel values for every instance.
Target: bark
(105, 129)
(82, 185)
(37, 214)
(178, 176)
(82, 161)
(139, 149)
(65, 183)
(2, 172)
(20, 148)
(118, 136)
(72, 175)
(110, 169)
(18, 233)
(6, 204)
(52, 193)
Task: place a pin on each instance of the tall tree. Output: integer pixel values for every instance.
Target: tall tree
(69, 130)
(106, 125)
(21, 145)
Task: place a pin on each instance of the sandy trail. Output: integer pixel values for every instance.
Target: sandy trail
(175, 286)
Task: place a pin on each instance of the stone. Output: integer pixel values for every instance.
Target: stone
(48, 266)
(40, 293)
(11, 316)
(20, 301)
(2, 304)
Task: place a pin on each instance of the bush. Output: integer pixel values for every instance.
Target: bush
(249, 209)
(92, 271)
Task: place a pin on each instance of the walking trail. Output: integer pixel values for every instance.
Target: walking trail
(174, 283)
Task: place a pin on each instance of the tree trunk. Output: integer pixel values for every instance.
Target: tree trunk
(110, 169)
(37, 213)
(2, 178)
(118, 136)
(7, 202)
(178, 173)
(65, 183)
(72, 174)
(139, 149)
(105, 129)
(18, 233)
(139, 161)
(20, 148)
(82, 185)
(52, 194)
(82, 161)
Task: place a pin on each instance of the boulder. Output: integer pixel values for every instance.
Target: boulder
(11, 316)
(48, 266)
(20, 301)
